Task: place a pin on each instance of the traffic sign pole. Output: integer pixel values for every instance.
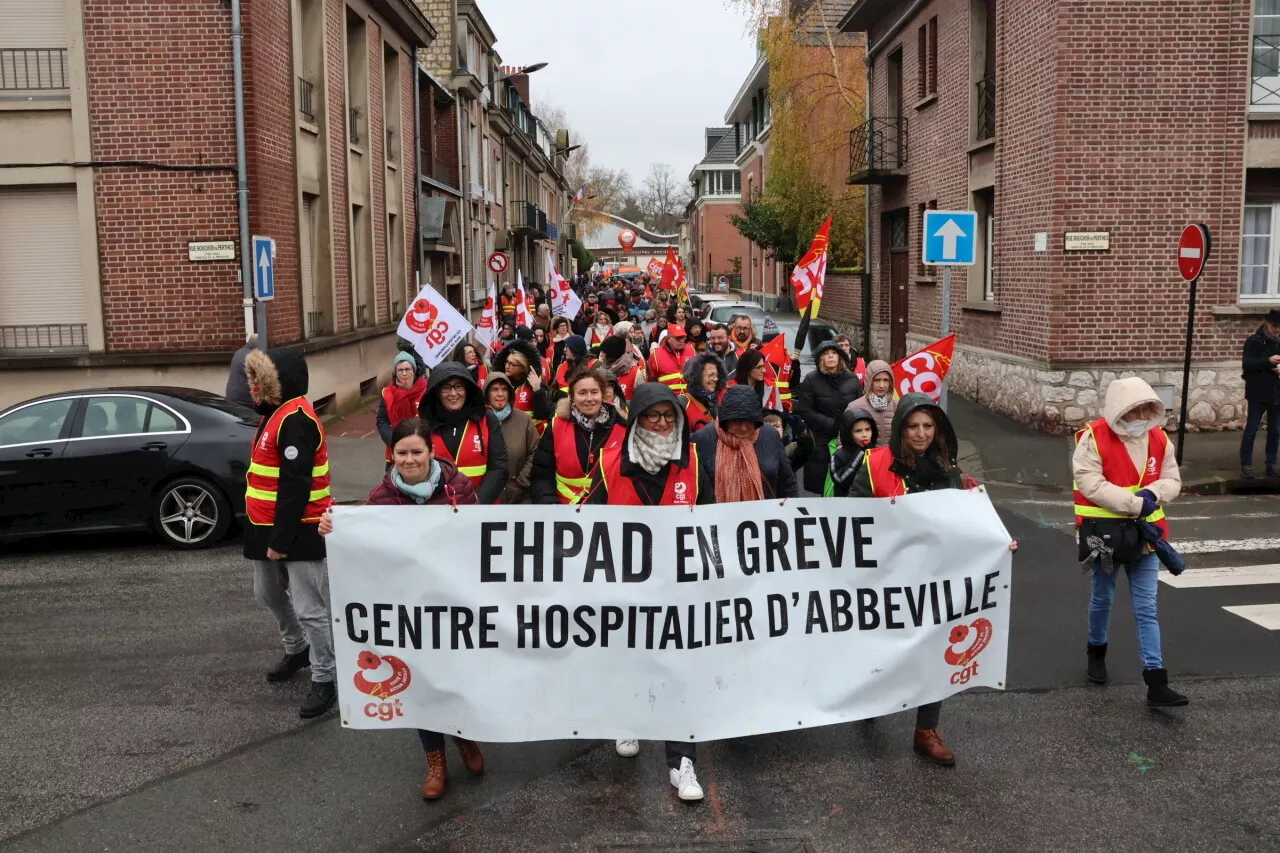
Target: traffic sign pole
(1193, 252)
(1186, 368)
(950, 237)
(946, 326)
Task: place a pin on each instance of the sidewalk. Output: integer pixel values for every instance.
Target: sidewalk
(998, 450)
(356, 454)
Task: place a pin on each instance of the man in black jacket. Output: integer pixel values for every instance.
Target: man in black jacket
(820, 400)
(284, 506)
(1261, 365)
(450, 415)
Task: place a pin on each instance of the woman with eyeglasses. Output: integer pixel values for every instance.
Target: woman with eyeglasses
(465, 431)
(400, 399)
(655, 464)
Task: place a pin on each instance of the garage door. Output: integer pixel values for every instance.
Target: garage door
(41, 278)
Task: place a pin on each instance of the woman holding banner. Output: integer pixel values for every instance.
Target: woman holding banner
(921, 456)
(464, 431)
(421, 478)
(655, 464)
(583, 425)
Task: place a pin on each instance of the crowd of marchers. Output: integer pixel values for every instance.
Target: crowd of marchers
(637, 402)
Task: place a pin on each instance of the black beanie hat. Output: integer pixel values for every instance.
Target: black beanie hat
(613, 347)
(576, 344)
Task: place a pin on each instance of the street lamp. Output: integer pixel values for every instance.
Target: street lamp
(526, 69)
(567, 151)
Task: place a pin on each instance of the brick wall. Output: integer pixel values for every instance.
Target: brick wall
(156, 97)
(335, 105)
(378, 158)
(408, 175)
(439, 55)
(718, 241)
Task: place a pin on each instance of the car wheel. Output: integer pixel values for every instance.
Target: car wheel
(191, 513)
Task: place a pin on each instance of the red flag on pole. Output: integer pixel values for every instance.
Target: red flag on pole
(810, 275)
(670, 274)
(775, 352)
(922, 372)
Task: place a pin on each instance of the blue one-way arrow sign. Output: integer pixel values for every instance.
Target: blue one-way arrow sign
(950, 237)
(264, 268)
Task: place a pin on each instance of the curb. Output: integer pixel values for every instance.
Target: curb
(1231, 485)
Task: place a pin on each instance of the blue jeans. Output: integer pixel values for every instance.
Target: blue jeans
(1251, 424)
(1143, 583)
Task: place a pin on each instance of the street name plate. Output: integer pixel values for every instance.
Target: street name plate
(1087, 241)
(221, 250)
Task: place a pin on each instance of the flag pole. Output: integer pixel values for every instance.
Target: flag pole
(804, 326)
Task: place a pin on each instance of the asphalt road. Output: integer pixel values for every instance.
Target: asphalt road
(135, 716)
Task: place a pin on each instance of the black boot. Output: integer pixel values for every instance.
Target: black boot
(1097, 671)
(1158, 693)
(289, 665)
(321, 698)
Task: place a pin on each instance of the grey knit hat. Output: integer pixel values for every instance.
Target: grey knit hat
(741, 403)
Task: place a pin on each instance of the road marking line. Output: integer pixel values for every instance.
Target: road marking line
(1213, 546)
(1226, 576)
(1266, 615)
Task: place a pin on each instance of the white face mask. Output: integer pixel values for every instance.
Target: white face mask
(1137, 428)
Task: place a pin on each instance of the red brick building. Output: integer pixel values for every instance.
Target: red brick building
(716, 248)
(1084, 159)
(119, 232)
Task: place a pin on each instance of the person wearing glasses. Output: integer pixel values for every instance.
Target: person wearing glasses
(465, 431)
(655, 464)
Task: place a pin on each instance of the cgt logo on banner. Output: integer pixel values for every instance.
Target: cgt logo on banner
(433, 326)
(689, 623)
(382, 678)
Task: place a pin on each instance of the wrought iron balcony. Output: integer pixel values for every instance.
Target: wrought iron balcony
(34, 68)
(525, 219)
(306, 99)
(1265, 91)
(985, 124)
(553, 231)
(878, 151)
(354, 130)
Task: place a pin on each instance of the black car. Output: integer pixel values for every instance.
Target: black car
(169, 459)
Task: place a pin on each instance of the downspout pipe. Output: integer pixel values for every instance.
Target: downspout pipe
(417, 176)
(242, 183)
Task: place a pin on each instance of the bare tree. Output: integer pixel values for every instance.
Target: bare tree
(663, 197)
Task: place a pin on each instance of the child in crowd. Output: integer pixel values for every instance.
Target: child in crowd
(858, 433)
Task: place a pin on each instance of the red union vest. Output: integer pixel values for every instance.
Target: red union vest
(508, 306)
(884, 483)
(523, 401)
(627, 382)
(562, 377)
(783, 383)
(682, 483)
(387, 397)
(473, 450)
(572, 480)
(1117, 467)
(262, 482)
(696, 413)
(668, 368)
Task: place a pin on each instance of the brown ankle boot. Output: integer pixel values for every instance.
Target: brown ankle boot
(471, 757)
(929, 745)
(437, 772)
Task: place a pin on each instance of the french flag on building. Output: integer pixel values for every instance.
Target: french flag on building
(582, 192)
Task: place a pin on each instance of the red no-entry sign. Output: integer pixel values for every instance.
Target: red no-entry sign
(1193, 251)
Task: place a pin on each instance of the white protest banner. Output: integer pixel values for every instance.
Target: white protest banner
(665, 623)
(564, 302)
(523, 317)
(433, 325)
(487, 328)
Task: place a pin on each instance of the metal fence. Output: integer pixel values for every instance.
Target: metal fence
(353, 115)
(315, 323)
(986, 102)
(1266, 71)
(66, 337)
(391, 151)
(34, 68)
(878, 144)
(306, 99)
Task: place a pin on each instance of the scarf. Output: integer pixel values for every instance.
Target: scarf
(878, 402)
(503, 413)
(738, 476)
(404, 401)
(419, 493)
(651, 451)
(625, 364)
(604, 331)
(589, 424)
(928, 473)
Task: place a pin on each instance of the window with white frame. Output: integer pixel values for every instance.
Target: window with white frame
(1259, 258)
(1264, 93)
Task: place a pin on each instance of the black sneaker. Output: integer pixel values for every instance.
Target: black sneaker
(321, 698)
(289, 665)
(1246, 471)
(1273, 471)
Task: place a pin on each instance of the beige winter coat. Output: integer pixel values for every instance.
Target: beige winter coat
(1124, 395)
(884, 418)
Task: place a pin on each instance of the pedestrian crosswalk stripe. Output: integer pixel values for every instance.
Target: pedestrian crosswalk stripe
(1213, 546)
(1225, 576)
(1266, 615)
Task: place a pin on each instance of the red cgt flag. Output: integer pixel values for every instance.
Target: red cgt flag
(775, 352)
(670, 271)
(810, 275)
(922, 372)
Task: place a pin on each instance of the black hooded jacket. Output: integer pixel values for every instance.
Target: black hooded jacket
(450, 426)
(849, 456)
(541, 397)
(651, 487)
(298, 432)
(950, 477)
(821, 400)
(1261, 384)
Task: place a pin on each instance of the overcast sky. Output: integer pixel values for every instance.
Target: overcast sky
(638, 79)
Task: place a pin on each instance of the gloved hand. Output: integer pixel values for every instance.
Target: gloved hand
(1149, 502)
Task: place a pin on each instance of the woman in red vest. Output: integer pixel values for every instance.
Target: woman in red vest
(705, 376)
(1125, 468)
(421, 478)
(655, 464)
(755, 372)
(522, 364)
(583, 425)
(400, 399)
(464, 430)
(921, 456)
(622, 363)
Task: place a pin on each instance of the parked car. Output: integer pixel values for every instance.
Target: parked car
(704, 302)
(723, 312)
(169, 459)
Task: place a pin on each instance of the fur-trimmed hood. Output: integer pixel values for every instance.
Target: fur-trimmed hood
(278, 374)
(524, 348)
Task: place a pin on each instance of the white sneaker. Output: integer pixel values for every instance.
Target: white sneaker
(628, 748)
(685, 781)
